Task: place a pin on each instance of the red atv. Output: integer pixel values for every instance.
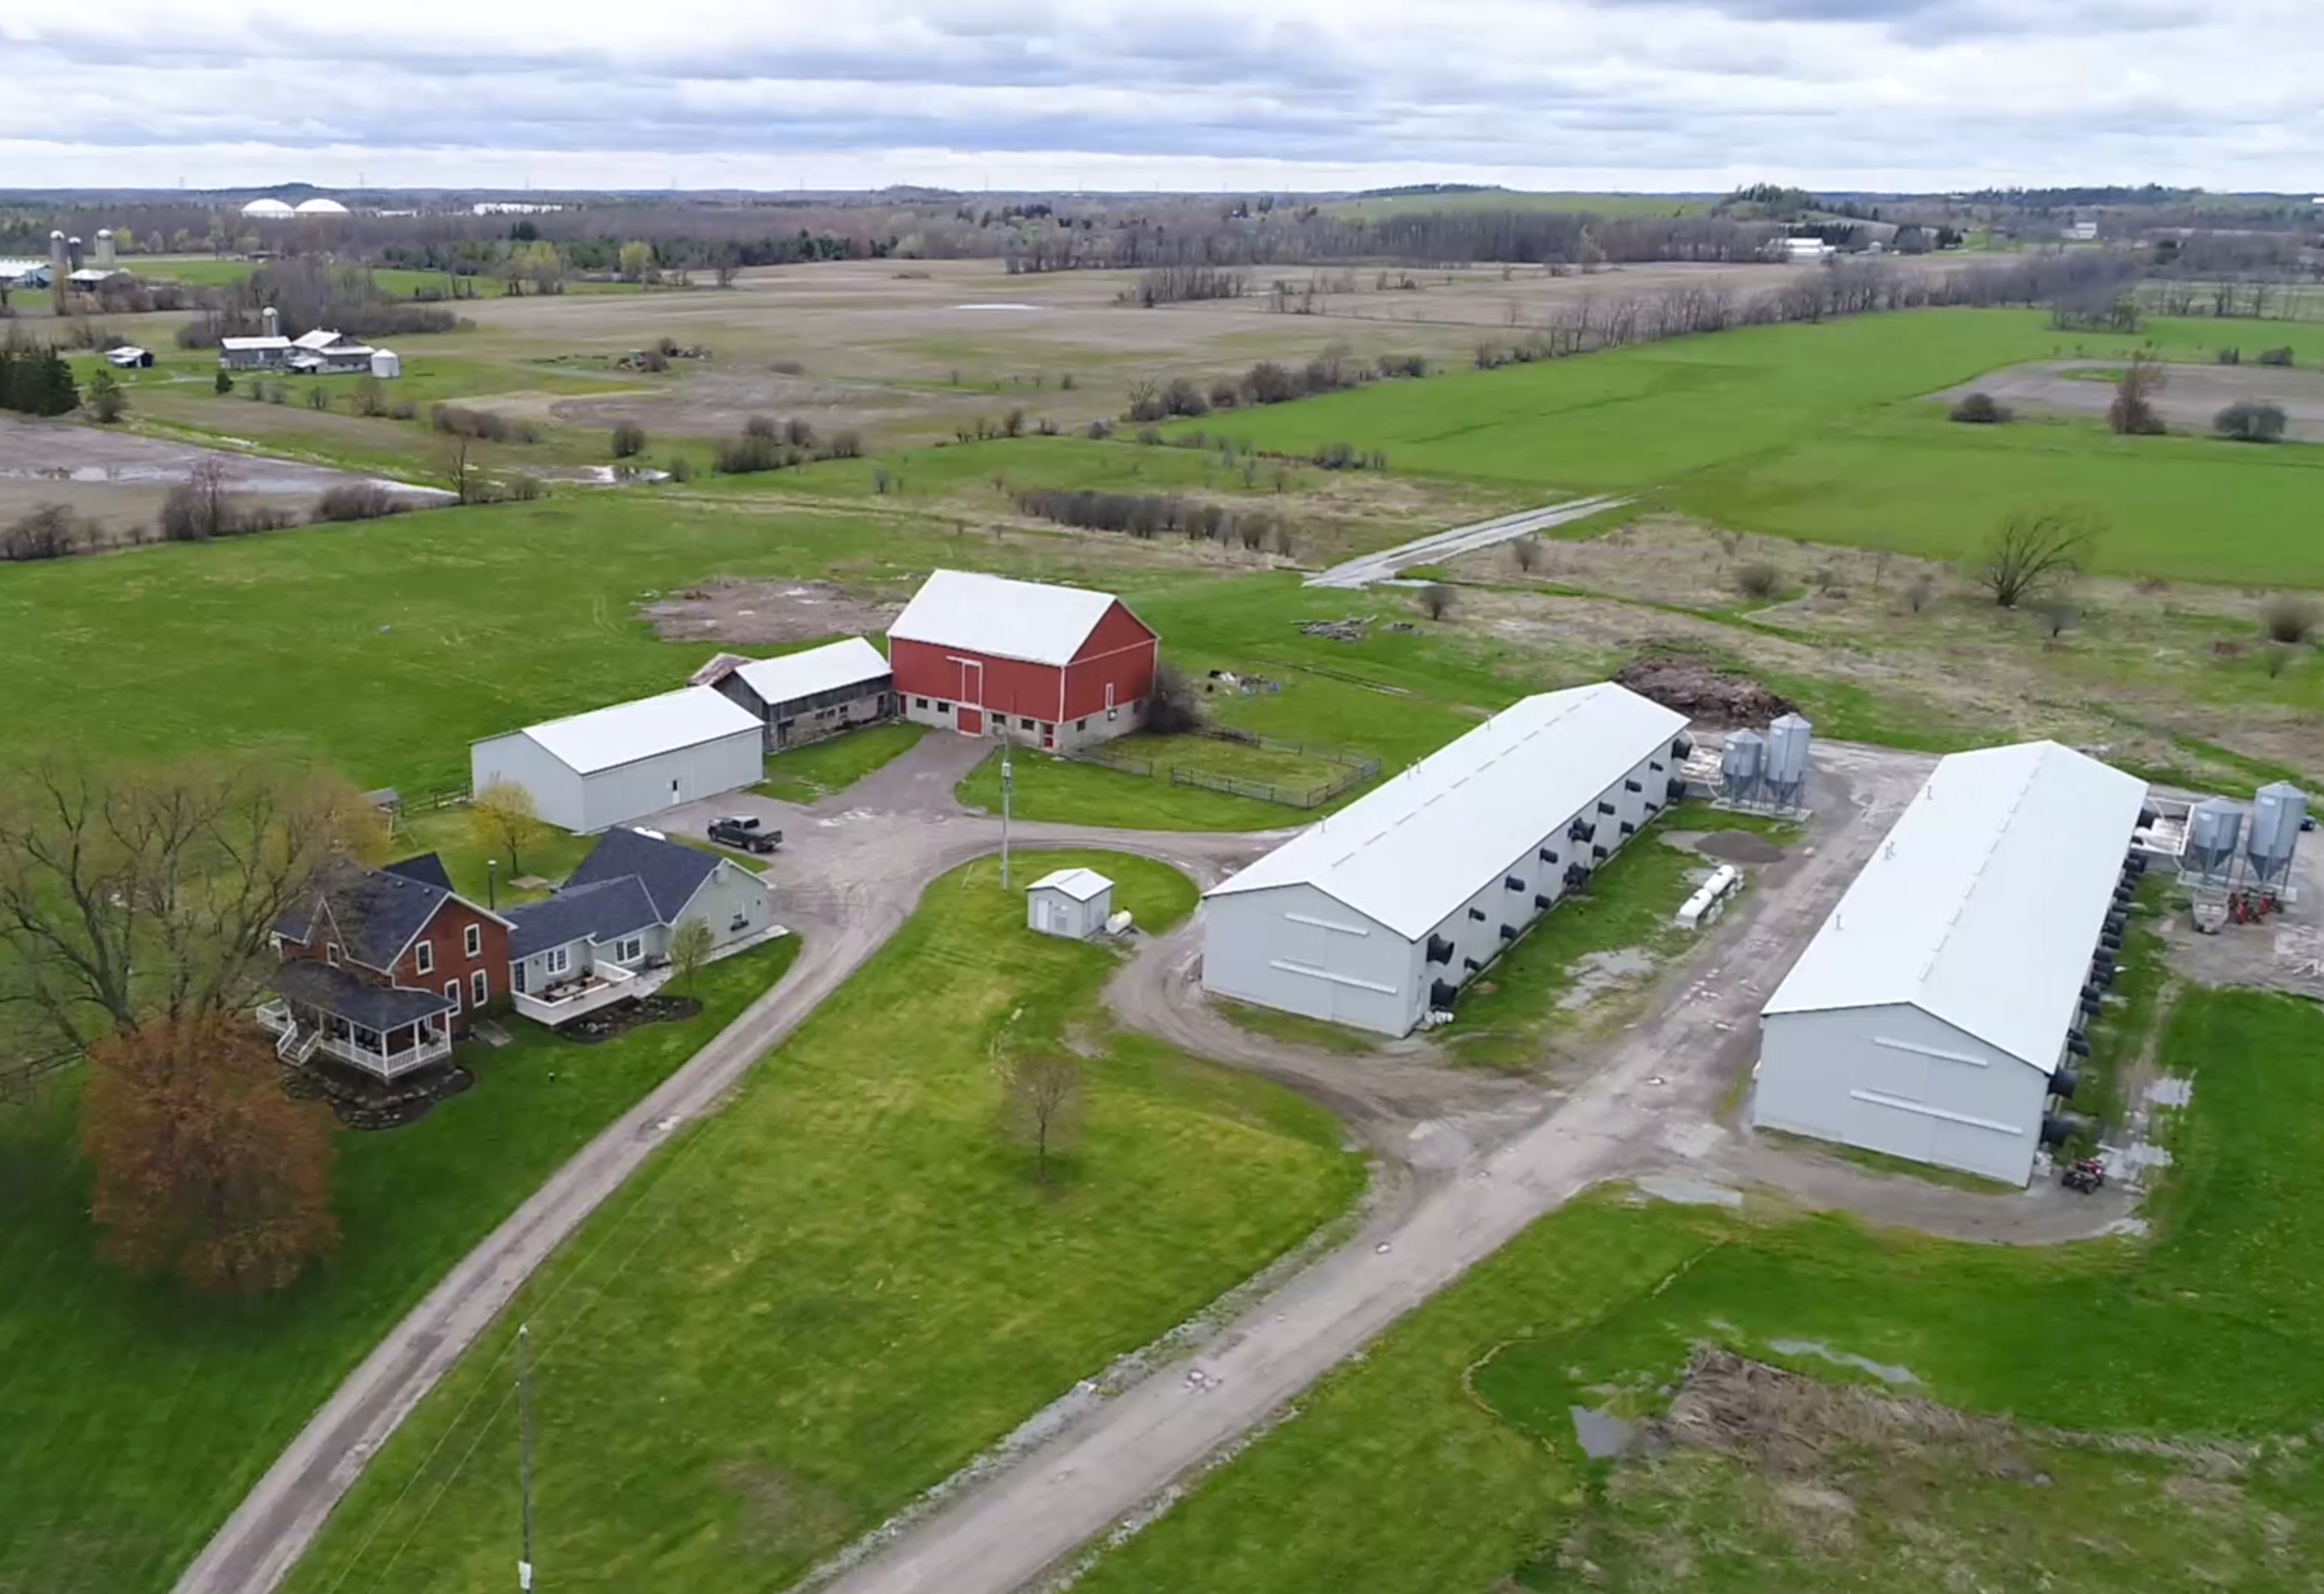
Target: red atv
(2085, 1174)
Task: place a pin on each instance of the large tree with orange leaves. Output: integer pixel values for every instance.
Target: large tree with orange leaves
(204, 1168)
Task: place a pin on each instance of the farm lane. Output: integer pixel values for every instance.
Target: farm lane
(1383, 566)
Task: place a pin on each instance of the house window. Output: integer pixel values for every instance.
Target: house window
(480, 989)
(331, 954)
(452, 993)
(475, 941)
(557, 960)
(630, 949)
(423, 957)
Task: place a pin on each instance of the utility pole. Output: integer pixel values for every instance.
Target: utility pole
(1008, 782)
(525, 1449)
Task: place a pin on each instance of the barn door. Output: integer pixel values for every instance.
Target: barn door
(971, 720)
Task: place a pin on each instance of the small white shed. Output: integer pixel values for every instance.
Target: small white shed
(386, 362)
(1071, 903)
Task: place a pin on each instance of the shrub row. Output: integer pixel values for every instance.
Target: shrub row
(1148, 515)
(484, 425)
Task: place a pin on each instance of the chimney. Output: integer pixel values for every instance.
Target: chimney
(72, 252)
(105, 248)
(272, 321)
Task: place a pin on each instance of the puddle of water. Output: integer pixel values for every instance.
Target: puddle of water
(1600, 1436)
(1846, 1359)
(2167, 1091)
(1682, 1192)
(599, 476)
(984, 306)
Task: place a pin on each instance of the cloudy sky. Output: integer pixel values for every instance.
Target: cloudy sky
(1183, 94)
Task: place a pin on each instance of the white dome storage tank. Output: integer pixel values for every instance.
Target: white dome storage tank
(267, 210)
(319, 206)
(2277, 812)
(2213, 829)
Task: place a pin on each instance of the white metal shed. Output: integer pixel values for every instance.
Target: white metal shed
(386, 364)
(1928, 1016)
(611, 765)
(1073, 904)
(1382, 912)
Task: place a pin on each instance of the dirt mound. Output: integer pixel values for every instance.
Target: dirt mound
(764, 612)
(1739, 846)
(1702, 690)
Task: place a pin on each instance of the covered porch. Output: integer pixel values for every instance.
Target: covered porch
(387, 1032)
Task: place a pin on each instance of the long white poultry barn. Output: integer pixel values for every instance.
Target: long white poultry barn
(1382, 912)
(1932, 1013)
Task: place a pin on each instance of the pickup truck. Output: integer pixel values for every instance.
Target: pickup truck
(744, 834)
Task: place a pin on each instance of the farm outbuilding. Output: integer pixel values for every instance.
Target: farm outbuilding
(611, 765)
(805, 697)
(1052, 667)
(1383, 911)
(1073, 904)
(1938, 1009)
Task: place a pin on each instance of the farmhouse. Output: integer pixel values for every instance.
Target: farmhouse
(1934, 1012)
(1382, 912)
(1058, 667)
(604, 937)
(324, 353)
(804, 697)
(611, 765)
(381, 969)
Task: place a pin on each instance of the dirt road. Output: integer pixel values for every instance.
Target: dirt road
(1650, 1102)
(1443, 545)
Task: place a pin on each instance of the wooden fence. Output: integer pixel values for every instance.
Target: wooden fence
(1355, 769)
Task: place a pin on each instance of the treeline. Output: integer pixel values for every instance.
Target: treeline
(1269, 382)
(1463, 237)
(1146, 515)
(769, 444)
(36, 380)
(306, 295)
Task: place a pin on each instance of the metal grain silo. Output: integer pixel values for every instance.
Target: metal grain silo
(2276, 815)
(2212, 829)
(1742, 765)
(1786, 778)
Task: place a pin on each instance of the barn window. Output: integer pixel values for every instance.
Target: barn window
(1631, 786)
(1628, 829)
(1653, 767)
(1470, 964)
(1443, 994)
(1605, 807)
(423, 957)
(1597, 852)
(1023, 723)
(943, 707)
(1478, 914)
(919, 702)
(1082, 723)
(474, 942)
(1543, 901)
(1514, 884)
(1440, 951)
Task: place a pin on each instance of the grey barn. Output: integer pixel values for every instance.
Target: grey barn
(807, 696)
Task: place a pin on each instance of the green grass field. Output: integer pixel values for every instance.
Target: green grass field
(830, 1295)
(137, 1416)
(1821, 432)
(1445, 1463)
(821, 769)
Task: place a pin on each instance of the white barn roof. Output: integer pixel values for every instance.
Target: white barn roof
(1410, 852)
(1984, 904)
(255, 343)
(1028, 620)
(828, 668)
(1081, 885)
(606, 738)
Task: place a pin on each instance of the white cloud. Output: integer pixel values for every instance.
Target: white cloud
(1645, 94)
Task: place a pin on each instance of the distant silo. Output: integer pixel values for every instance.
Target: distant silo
(59, 272)
(105, 248)
(2276, 815)
(2213, 829)
(1786, 778)
(1742, 765)
(72, 252)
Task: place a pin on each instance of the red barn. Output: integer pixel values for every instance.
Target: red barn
(1055, 667)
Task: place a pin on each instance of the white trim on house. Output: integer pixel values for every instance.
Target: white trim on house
(480, 988)
(452, 993)
(423, 957)
(472, 941)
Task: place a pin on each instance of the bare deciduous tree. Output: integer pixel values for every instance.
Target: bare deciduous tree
(1435, 600)
(1526, 551)
(1043, 1106)
(456, 468)
(2031, 553)
(131, 896)
(2133, 412)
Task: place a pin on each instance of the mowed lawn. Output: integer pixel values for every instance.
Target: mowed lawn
(1824, 432)
(136, 1416)
(1444, 1462)
(829, 1296)
(824, 768)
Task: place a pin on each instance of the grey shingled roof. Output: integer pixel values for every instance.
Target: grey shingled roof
(425, 867)
(597, 912)
(671, 874)
(334, 990)
(375, 913)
